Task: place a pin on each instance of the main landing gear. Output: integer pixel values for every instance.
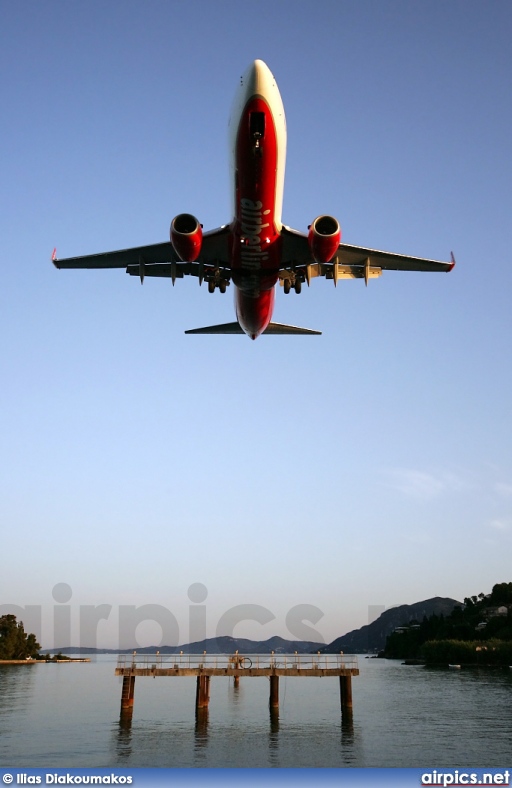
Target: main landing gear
(296, 284)
(221, 284)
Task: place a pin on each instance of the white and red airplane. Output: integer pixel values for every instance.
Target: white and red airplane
(255, 251)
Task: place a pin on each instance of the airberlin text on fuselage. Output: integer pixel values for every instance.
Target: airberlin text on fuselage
(251, 228)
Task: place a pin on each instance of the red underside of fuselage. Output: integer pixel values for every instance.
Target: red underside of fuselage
(256, 242)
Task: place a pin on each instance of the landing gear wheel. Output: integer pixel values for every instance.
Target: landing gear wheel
(222, 285)
(287, 286)
(211, 286)
(298, 286)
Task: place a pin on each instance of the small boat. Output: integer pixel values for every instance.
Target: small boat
(454, 667)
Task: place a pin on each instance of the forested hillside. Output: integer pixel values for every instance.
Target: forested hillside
(479, 632)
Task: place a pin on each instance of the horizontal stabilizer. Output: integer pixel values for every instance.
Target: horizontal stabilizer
(282, 328)
(236, 328)
(223, 328)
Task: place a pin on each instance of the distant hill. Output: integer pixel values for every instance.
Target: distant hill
(372, 637)
(221, 645)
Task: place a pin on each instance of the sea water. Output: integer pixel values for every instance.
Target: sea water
(67, 715)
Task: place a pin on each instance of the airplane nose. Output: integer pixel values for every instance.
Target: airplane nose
(260, 68)
(257, 77)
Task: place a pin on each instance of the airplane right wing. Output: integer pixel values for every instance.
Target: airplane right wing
(349, 262)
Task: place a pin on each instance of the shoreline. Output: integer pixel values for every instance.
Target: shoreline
(39, 661)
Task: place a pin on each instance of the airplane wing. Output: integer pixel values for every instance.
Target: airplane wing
(350, 262)
(161, 260)
(157, 259)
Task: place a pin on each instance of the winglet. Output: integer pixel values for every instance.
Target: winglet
(453, 262)
(54, 257)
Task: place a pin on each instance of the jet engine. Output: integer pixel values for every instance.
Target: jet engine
(186, 237)
(324, 238)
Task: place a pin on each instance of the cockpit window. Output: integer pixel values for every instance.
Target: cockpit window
(257, 124)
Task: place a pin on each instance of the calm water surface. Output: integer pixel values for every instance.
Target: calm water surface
(67, 715)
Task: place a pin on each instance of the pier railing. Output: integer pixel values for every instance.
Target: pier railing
(237, 661)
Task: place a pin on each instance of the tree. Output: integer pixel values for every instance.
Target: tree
(501, 594)
(14, 642)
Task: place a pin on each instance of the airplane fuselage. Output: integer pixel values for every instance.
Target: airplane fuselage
(258, 153)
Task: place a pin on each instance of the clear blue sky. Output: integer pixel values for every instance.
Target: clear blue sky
(369, 466)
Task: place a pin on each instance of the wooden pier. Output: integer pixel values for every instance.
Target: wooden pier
(205, 666)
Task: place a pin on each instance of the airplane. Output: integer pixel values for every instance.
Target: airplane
(256, 250)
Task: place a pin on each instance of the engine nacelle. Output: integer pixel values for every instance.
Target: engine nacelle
(186, 237)
(324, 238)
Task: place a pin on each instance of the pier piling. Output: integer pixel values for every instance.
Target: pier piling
(127, 694)
(274, 692)
(202, 692)
(346, 693)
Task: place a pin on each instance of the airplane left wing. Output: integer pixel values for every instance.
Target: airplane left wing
(157, 259)
(156, 253)
(349, 262)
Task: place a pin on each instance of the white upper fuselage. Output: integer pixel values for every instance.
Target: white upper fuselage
(258, 81)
